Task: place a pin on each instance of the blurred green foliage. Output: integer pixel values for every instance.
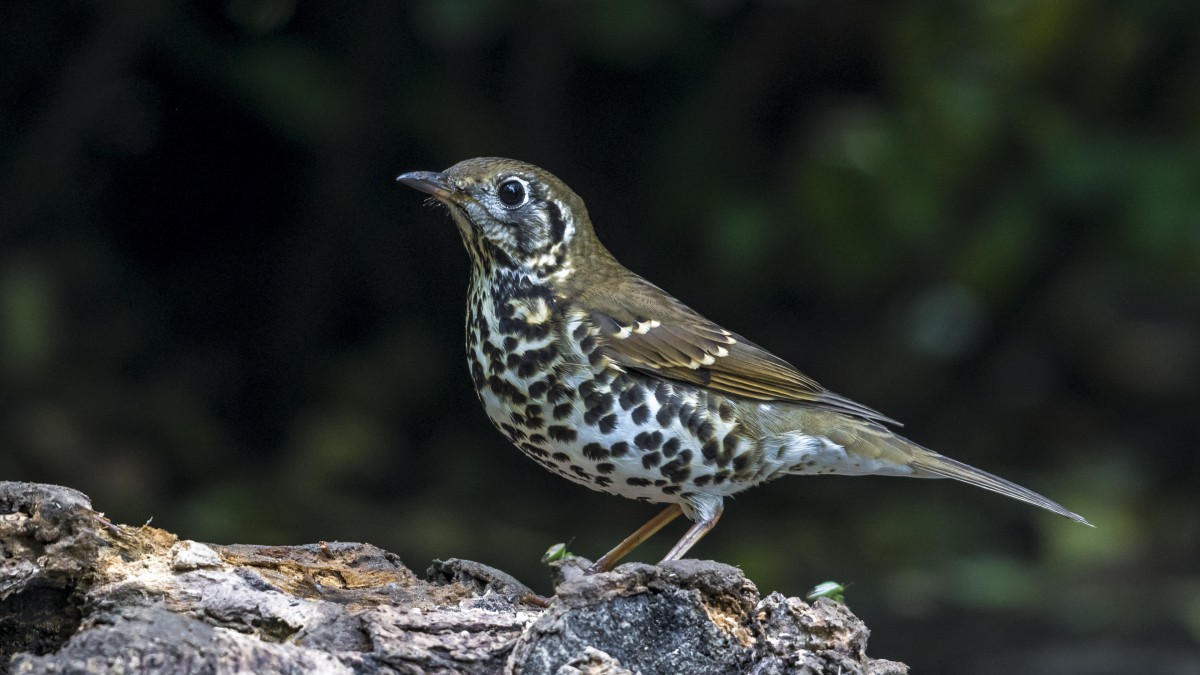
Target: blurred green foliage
(218, 311)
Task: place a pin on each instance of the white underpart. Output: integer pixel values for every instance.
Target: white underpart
(799, 453)
(702, 507)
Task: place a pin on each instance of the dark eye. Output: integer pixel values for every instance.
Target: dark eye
(512, 193)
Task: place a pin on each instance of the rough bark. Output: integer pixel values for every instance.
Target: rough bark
(80, 594)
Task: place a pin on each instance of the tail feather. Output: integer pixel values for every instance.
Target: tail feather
(875, 442)
(932, 465)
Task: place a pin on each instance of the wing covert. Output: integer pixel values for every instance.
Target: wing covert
(676, 343)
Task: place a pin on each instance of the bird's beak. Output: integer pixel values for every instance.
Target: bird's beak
(429, 182)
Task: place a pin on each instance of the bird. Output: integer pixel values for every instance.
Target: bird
(607, 380)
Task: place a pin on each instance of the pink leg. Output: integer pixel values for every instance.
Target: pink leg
(693, 535)
(643, 533)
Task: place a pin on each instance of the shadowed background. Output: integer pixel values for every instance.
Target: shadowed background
(217, 310)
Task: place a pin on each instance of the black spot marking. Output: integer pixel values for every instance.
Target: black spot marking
(603, 481)
(710, 451)
(595, 451)
(608, 423)
(587, 344)
(560, 457)
(561, 434)
(562, 411)
(731, 442)
(741, 462)
(512, 432)
(701, 481)
(619, 449)
(632, 396)
(648, 440)
(666, 414)
(538, 388)
(671, 489)
(705, 431)
(622, 382)
(606, 467)
(580, 331)
(534, 450)
(676, 471)
(725, 410)
(637, 482)
(505, 389)
(534, 360)
(651, 460)
(599, 401)
(641, 414)
(558, 226)
(510, 343)
(671, 447)
(686, 414)
(559, 393)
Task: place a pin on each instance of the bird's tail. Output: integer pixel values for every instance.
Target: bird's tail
(926, 463)
(929, 464)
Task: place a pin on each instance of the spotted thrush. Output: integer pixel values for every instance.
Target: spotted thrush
(605, 379)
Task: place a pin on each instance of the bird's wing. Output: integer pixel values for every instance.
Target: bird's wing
(645, 329)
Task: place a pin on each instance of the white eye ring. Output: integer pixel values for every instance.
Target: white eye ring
(512, 192)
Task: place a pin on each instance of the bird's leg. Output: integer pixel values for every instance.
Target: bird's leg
(642, 534)
(693, 535)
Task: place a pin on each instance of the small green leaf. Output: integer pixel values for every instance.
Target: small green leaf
(829, 589)
(555, 553)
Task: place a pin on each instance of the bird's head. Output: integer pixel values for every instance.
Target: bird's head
(510, 214)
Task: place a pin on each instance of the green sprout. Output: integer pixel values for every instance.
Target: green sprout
(555, 553)
(829, 589)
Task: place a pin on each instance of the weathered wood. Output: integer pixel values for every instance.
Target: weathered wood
(80, 594)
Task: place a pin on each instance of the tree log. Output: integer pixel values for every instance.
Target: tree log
(81, 594)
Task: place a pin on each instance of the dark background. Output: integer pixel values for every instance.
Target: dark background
(217, 310)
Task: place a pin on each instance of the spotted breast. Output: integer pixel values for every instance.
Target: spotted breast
(547, 386)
